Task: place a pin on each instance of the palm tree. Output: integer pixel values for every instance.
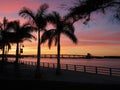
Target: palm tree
(5, 44)
(4, 37)
(84, 8)
(20, 34)
(61, 27)
(39, 20)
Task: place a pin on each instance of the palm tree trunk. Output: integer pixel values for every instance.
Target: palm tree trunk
(6, 51)
(58, 71)
(17, 52)
(16, 65)
(38, 73)
(3, 52)
(3, 56)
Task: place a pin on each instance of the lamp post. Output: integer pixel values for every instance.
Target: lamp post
(21, 48)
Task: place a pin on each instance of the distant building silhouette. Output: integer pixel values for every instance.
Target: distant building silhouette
(88, 56)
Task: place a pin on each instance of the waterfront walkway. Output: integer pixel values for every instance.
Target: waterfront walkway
(66, 78)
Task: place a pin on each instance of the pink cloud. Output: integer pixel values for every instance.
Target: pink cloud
(14, 6)
(98, 32)
(98, 43)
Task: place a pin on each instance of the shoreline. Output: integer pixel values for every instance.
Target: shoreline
(66, 56)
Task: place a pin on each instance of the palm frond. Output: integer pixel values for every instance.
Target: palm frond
(47, 35)
(40, 21)
(53, 17)
(29, 26)
(69, 27)
(83, 9)
(53, 37)
(70, 35)
(40, 17)
(5, 21)
(27, 13)
(42, 9)
(27, 39)
(56, 40)
(50, 41)
(13, 25)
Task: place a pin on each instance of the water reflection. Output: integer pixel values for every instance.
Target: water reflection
(111, 63)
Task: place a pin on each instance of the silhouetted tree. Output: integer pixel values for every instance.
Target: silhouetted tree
(39, 20)
(61, 27)
(21, 33)
(4, 41)
(5, 44)
(83, 9)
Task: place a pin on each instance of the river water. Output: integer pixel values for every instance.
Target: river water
(104, 62)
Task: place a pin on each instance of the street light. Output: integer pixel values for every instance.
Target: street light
(21, 48)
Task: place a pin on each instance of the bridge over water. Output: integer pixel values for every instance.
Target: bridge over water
(52, 56)
(55, 56)
(62, 56)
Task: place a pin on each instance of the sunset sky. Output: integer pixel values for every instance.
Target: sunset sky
(101, 37)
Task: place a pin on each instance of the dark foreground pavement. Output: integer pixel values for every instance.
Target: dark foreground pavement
(68, 80)
(49, 85)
